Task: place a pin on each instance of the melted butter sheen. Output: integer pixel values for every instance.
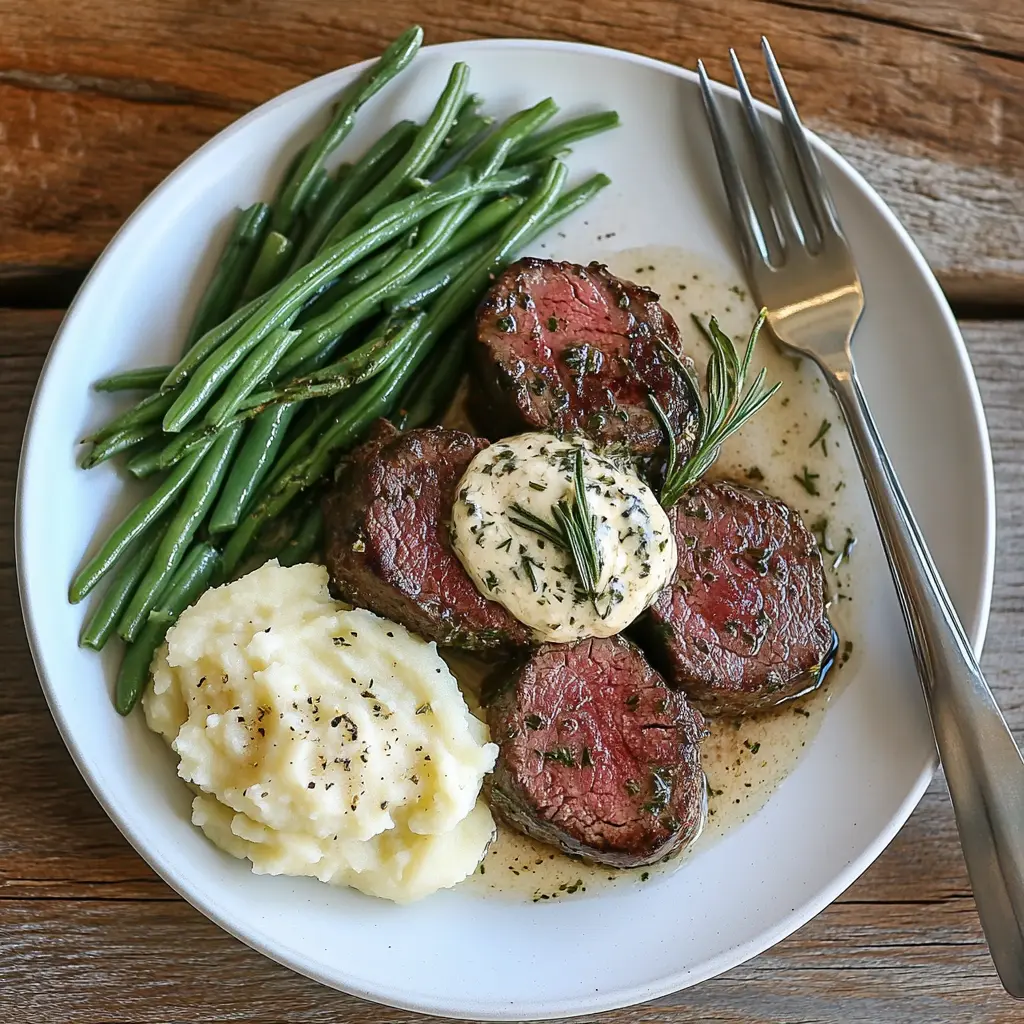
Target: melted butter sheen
(533, 578)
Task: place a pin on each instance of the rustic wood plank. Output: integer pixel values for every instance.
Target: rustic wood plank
(995, 28)
(88, 933)
(927, 102)
(25, 337)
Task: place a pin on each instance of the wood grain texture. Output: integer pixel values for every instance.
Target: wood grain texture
(927, 100)
(89, 934)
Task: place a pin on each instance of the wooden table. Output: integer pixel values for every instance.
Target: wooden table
(99, 100)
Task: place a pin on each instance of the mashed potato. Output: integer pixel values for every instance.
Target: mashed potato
(322, 741)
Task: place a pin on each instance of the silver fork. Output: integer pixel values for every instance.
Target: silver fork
(801, 269)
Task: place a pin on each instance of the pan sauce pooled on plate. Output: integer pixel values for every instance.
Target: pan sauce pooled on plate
(320, 740)
(514, 487)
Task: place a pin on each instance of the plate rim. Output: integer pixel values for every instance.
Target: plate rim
(623, 996)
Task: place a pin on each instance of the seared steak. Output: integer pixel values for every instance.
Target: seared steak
(564, 348)
(386, 523)
(743, 625)
(598, 756)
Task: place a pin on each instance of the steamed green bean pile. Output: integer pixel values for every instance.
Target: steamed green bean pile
(346, 298)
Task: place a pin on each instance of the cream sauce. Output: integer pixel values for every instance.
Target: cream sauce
(528, 478)
(745, 760)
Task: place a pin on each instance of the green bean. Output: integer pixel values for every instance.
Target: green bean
(176, 449)
(494, 150)
(306, 540)
(322, 192)
(269, 542)
(209, 342)
(191, 579)
(149, 459)
(310, 427)
(436, 279)
(504, 181)
(468, 125)
(561, 135)
(177, 536)
(364, 362)
(321, 185)
(570, 202)
(310, 280)
(478, 225)
(146, 378)
(257, 455)
(131, 567)
(483, 222)
(288, 298)
(187, 440)
(440, 276)
(419, 154)
(271, 265)
(351, 420)
(209, 376)
(379, 398)
(323, 333)
(440, 168)
(464, 291)
(310, 430)
(346, 413)
(459, 252)
(320, 303)
(239, 255)
(530, 171)
(461, 127)
(114, 444)
(143, 462)
(375, 264)
(137, 522)
(467, 132)
(390, 63)
(253, 372)
(357, 275)
(431, 390)
(378, 161)
(148, 410)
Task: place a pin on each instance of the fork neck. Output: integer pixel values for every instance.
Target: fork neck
(829, 349)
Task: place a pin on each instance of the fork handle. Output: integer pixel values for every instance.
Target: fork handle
(984, 769)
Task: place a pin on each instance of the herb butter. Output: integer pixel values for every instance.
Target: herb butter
(535, 578)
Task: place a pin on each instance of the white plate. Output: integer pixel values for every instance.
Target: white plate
(461, 954)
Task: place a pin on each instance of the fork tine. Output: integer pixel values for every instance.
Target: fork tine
(787, 223)
(743, 213)
(816, 188)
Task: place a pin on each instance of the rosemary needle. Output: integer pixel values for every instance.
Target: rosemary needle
(574, 530)
(730, 403)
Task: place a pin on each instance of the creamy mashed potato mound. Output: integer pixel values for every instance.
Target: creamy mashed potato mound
(320, 740)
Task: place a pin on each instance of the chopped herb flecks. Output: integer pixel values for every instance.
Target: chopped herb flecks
(826, 426)
(560, 755)
(808, 481)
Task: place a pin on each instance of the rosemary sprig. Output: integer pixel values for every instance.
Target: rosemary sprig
(730, 403)
(574, 530)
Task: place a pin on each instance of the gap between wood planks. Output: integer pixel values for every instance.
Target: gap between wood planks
(55, 288)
